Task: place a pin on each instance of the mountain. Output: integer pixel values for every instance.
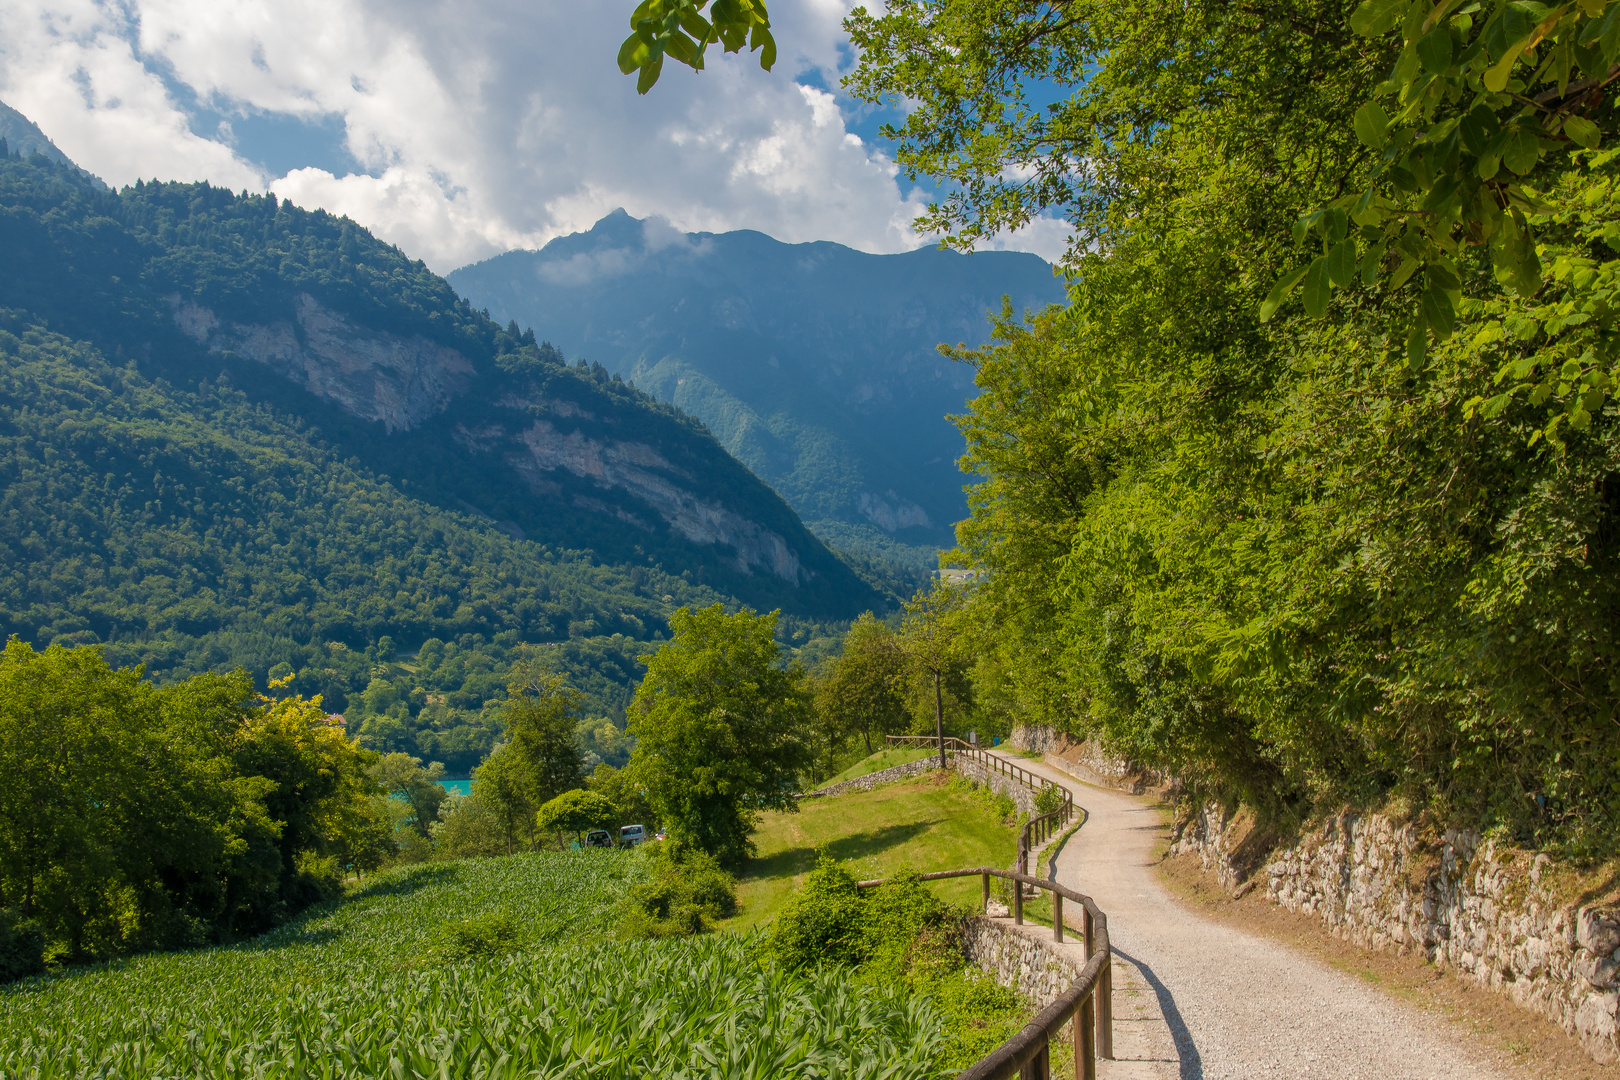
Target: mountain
(815, 364)
(233, 431)
(23, 138)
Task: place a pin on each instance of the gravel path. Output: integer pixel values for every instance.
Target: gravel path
(1199, 1000)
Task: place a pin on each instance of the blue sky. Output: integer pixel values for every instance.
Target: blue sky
(458, 129)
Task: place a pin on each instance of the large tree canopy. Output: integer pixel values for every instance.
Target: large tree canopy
(721, 731)
(1323, 556)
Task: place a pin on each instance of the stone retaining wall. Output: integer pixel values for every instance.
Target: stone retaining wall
(1493, 915)
(1086, 760)
(1033, 967)
(877, 779)
(977, 771)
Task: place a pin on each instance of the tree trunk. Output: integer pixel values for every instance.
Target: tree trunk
(939, 720)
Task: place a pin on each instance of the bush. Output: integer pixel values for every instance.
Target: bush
(687, 892)
(478, 938)
(22, 947)
(1048, 800)
(898, 937)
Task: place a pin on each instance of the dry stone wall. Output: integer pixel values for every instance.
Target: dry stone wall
(876, 779)
(1021, 961)
(1490, 914)
(1000, 783)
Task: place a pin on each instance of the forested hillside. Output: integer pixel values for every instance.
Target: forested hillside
(233, 432)
(817, 365)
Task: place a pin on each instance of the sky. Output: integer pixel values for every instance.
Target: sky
(460, 129)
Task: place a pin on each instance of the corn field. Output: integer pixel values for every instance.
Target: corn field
(365, 991)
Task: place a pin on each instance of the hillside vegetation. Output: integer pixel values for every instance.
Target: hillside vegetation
(494, 967)
(192, 509)
(1309, 495)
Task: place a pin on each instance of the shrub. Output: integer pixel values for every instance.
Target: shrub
(22, 947)
(899, 937)
(687, 891)
(480, 937)
(1048, 800)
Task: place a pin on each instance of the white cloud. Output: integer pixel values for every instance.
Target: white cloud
(481, 125)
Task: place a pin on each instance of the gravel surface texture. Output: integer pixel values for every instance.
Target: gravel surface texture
(1198, 1000)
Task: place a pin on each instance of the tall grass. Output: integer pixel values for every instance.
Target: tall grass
(367, 990)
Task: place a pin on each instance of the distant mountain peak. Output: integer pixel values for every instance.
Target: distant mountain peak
(24, 137)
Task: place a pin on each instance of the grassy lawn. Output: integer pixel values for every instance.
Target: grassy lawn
(924, 824)
(883, 759)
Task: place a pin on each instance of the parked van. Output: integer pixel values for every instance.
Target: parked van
(631, 835)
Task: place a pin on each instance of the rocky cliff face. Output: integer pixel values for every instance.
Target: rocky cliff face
(372, 374)
(405, 381)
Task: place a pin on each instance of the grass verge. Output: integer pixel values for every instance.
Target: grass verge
(933, 822)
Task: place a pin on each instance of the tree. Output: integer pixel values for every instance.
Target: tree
(501, 785)
(929, 641)
(146, 817)
(542, 714)
(863, 689)
(419, 788)
(574, 811)
(721, 730)
(626, 790)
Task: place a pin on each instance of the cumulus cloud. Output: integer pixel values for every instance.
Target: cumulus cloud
(474, 126)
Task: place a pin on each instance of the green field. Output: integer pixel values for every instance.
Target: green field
(883, 759)
(927, 823)
(367, 990)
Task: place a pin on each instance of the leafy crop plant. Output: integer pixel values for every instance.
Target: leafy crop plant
(367, 990)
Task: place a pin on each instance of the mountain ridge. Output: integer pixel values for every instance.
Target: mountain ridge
(814, 364)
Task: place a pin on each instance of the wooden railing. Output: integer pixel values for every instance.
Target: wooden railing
(1037, 830)
(1087, 1005)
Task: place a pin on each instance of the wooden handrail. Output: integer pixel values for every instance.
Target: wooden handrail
(1088, 1002)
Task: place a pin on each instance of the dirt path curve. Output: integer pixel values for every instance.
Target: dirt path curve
(1199, 1000)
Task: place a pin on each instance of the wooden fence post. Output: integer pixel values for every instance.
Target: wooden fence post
(1105, 1011)
(1085, 1053)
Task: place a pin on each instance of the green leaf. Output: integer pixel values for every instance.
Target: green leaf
(1370, 263)
(1374, 17)
(649, 74)
(1372, 125)
(1478, 128)
(1434, 50)
(1523, 150)
(632, 54)
(1496, 79)
(1417, 344)
(767, 47)
(1342, 263)
(1317, 288)
(1438, 311)
(1581, 131)
(1408, 266)
(1279, 292)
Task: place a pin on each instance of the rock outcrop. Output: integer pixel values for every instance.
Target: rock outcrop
(371, 374)
(405, 381)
